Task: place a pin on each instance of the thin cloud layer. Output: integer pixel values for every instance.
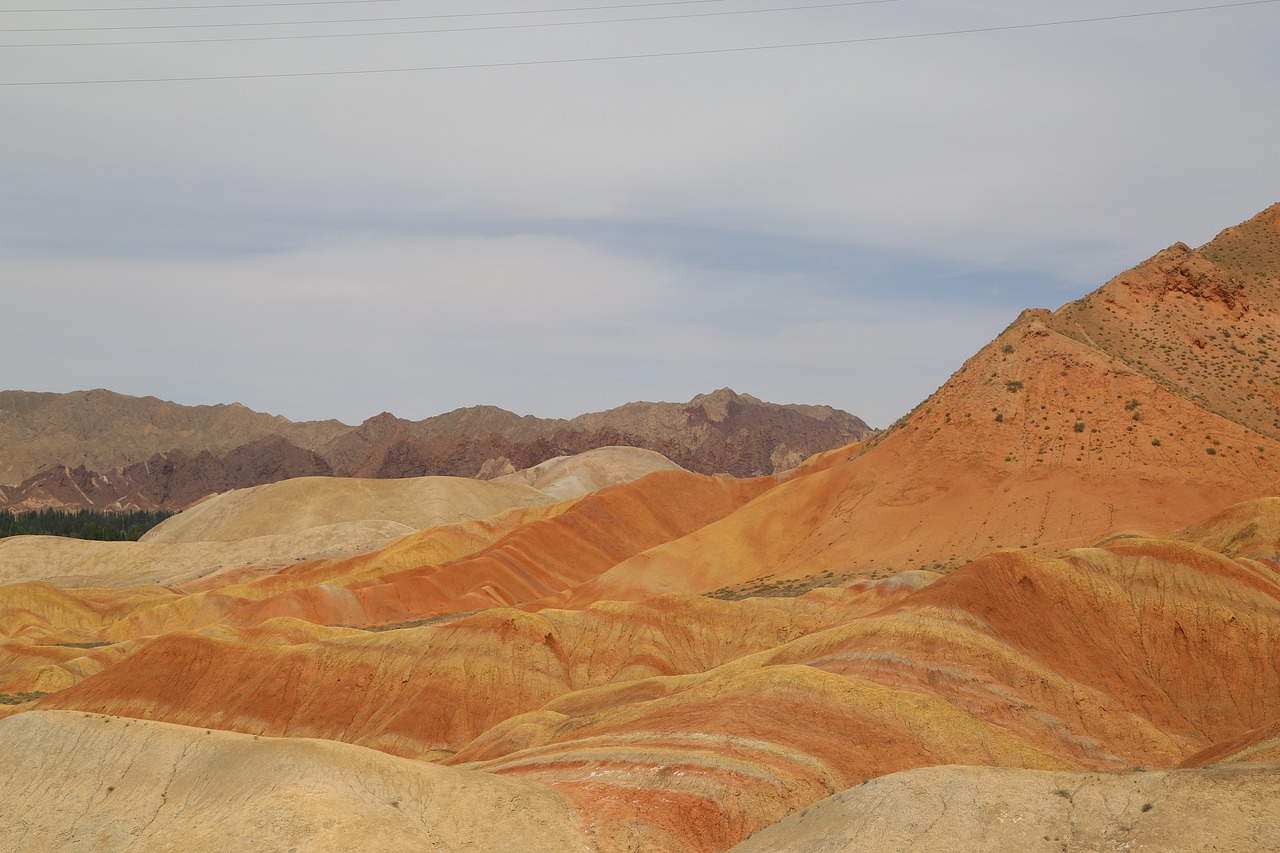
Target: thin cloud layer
(839, 224)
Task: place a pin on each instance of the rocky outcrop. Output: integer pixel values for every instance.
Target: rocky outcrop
(172, 480)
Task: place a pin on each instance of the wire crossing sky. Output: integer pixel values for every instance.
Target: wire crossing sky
(558, 208)
(516, 64)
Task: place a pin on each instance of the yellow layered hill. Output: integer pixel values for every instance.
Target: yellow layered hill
(291, 506)
(83, 563)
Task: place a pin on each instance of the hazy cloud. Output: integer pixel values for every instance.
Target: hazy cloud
(839, 224)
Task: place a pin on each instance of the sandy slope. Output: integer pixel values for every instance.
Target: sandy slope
(573, 476)
(981, 809)
(305, 502)
(85, 782)
(81, 563)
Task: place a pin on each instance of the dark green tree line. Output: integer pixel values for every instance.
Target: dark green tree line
(80, 523)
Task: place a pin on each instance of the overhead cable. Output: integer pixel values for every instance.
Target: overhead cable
(656, 55)
(484, 28)
(356, 20)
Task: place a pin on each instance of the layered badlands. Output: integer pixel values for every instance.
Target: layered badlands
(964, 634)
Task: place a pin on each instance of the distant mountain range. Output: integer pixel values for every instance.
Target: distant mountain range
(110, 451)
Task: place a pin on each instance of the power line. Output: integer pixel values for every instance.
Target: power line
(217, 6)
(487, 28)
(354, 20)
(661, 55)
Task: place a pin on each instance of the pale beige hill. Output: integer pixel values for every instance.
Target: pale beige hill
(981, 809)
(68, 562)
(294, 505)
(84, 782)
(567, 477)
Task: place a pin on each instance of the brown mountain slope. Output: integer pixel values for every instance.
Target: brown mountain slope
(59, 448)
(102, 430)
(1204, 323)
(722, 432)
(175, 479)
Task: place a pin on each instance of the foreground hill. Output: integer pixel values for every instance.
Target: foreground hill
(981, 809)
(108, 451)
(126, 785)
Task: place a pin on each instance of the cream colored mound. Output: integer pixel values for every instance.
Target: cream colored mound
(979, 809)
(67, 562)
(79, 782)
(290, 506)
(574, 476)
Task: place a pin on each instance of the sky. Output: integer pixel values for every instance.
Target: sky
(333, 209)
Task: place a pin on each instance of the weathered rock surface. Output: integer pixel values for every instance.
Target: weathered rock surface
(981, 809)
(84, 782)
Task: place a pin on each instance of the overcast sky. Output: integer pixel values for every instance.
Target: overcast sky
(554, 231)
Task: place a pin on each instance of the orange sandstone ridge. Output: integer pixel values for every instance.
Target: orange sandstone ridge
(1066, 562)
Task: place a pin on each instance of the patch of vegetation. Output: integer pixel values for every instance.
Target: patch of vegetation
(1079, 426)
(439, 619)
(770, 587)
(19, 698)
(81, 524)
(1013, 386)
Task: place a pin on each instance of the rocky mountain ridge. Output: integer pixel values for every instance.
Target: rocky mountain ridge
(723, 432)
